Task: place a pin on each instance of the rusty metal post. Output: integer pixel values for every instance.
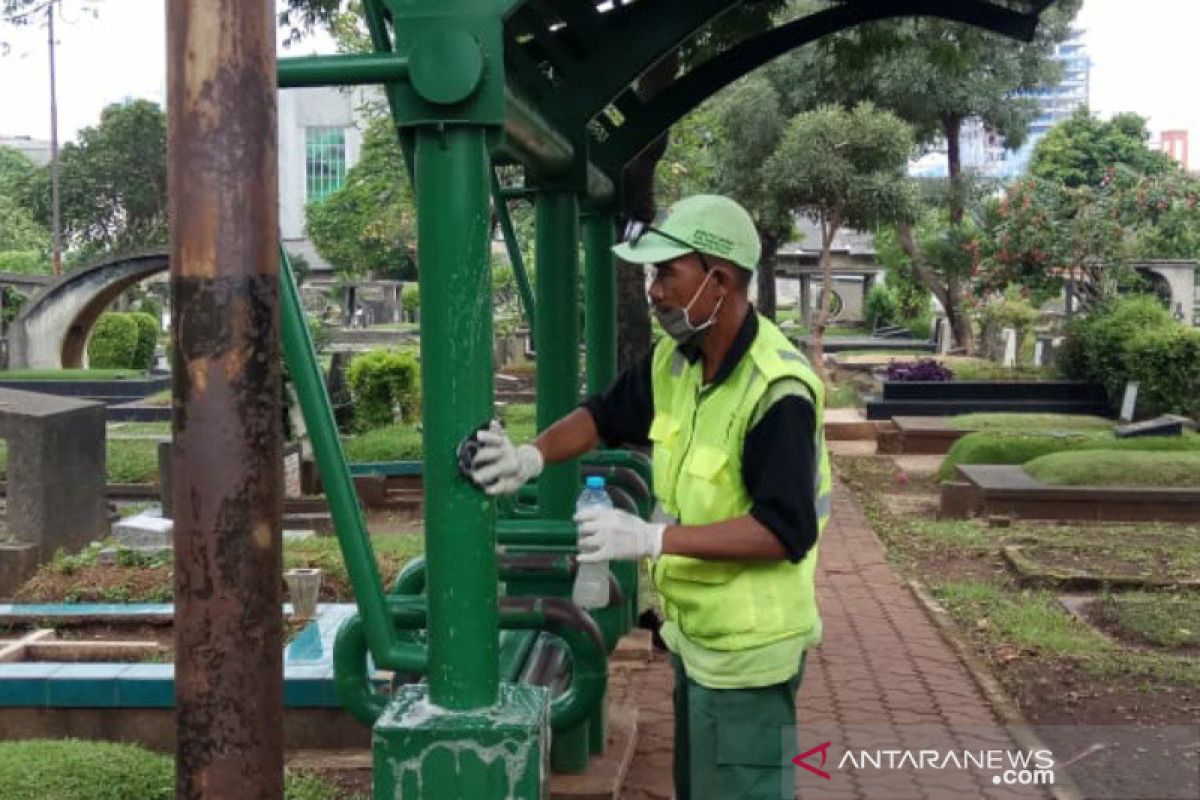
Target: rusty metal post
(227, 464)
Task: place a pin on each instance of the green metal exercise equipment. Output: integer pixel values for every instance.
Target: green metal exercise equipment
(485, 618)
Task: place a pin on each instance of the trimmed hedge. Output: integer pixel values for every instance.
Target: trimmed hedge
(380, 381)
(113, 342)
(1007, 447)
(1136, 339)
(147, 328)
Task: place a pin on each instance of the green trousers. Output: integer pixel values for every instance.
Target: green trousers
(729, 743)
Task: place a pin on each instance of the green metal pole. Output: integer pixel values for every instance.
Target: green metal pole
(557, 337)
(344, 70)
(514, 251)
(600, 320)
(456, 351)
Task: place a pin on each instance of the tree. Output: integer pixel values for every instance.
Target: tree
(114, 182)
(936, 74)
(751, 126)
(842, 168)
(19, 231)
(369, 224)
(1085, 151)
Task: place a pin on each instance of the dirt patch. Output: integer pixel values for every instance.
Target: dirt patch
(98, 584)
(1063, 693)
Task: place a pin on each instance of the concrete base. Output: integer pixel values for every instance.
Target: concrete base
(1005, 489)
(424, 751)
(605, 773)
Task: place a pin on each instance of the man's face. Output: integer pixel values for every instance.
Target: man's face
(675, 284)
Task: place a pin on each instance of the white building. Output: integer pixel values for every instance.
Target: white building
(320, 138)
(36, 150)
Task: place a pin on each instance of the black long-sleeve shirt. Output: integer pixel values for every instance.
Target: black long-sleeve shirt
(779, 461)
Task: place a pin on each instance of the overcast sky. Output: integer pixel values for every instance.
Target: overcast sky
(1143, 55)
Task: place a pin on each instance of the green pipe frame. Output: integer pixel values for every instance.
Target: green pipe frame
(559, 617)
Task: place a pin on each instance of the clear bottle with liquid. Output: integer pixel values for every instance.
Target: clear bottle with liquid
(591, 581)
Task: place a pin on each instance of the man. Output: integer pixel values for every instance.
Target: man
(734, 414)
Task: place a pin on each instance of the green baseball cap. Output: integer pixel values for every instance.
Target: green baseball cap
(708, 223)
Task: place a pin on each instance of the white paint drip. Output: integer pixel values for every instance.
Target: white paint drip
(513, 710)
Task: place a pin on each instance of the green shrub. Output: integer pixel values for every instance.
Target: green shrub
(70, 769)
(410, 300)
(1009, 447)
(380, 381)
(147, 338)
(393, 442)
(1011, 310)
(919, 327)
(25, 262)
(1166, 364)
(113, 342)
(1096, 346)
(880, 307)
(149, 303)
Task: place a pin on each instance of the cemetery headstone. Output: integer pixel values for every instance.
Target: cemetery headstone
(945, 336)
(1010, 347)
(1129, 401)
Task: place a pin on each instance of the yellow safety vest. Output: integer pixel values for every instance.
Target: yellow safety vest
(698, 433)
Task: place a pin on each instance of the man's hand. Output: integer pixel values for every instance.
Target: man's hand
(608, 534)
(501, 468)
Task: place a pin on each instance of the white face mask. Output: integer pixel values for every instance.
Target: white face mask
(678, 324)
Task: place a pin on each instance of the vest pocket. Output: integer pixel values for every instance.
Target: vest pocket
(708, 491)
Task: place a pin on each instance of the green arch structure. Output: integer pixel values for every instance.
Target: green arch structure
(550, 86)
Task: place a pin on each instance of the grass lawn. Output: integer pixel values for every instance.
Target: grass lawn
(1117, 468)
(1030, 422)
(162, 398)
(1025, 633)
(396, 442)
(71, 769)
(879, 355)
(969, 368)
(843, 395)
(1011, 447)
(117, 430)
(70, 374)
(1145, 617)
(127, 461)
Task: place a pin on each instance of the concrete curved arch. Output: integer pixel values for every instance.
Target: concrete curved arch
(52, 330)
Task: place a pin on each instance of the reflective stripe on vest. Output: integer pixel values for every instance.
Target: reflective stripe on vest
(698, 433)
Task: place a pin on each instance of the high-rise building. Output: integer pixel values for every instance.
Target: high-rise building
(983, 150)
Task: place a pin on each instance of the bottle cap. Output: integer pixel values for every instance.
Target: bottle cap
(595, 482)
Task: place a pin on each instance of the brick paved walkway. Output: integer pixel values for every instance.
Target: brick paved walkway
(882, 679)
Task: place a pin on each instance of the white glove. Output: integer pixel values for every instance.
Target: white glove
(609, 534)
(501, 468)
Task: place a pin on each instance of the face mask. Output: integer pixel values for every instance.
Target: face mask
(678, 325)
